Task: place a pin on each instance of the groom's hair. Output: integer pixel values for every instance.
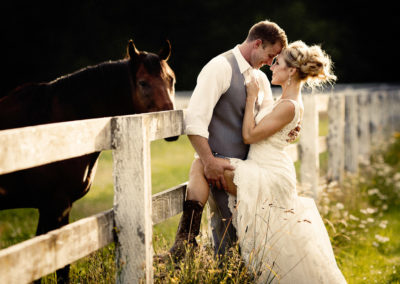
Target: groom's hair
(269, 32)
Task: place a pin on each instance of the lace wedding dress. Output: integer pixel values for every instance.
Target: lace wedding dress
(281, 235)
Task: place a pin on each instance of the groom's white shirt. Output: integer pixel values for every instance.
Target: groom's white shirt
(213, 81)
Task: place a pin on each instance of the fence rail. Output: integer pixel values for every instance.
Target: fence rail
(357, 120)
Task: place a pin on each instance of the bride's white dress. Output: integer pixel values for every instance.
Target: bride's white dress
(281, 235)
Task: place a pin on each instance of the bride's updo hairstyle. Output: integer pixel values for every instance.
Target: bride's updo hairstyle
(314, 66)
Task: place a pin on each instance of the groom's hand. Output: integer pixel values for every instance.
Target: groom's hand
(294, 133)
(214, 171)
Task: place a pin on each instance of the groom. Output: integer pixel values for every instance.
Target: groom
(214, 126)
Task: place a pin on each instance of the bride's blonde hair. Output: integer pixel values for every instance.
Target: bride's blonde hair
(314, 66)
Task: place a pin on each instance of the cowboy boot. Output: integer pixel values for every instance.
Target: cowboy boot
(188, 229)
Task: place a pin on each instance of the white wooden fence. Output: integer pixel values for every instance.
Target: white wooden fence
(357, 120)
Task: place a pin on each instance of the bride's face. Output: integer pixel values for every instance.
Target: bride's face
(280, 71)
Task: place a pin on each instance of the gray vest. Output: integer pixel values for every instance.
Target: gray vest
(225, 129)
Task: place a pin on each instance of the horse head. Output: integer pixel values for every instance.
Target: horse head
(153, 79)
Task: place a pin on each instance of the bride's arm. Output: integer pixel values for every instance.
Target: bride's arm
(249, 122)
(282, 114)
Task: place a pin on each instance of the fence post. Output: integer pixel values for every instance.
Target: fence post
(132, 200)
(350, 133)
(364, 140)
(391, 105)
(376, 127)
(336, 137)
(309, 167)
(396, 110)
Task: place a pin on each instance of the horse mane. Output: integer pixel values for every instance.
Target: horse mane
(92, 74)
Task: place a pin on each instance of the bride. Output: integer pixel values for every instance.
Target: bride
(281, 235)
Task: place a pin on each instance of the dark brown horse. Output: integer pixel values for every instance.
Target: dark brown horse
(142, 82)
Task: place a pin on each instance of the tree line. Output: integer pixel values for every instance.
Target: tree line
(42, 42)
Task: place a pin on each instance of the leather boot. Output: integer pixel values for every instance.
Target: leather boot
(188, 229)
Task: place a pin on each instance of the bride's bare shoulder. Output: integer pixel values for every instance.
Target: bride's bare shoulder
(285, 107)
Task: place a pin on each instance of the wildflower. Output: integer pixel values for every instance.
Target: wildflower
(339, 206)
(370, 220)
(383, 224)
(373, 191)
(381, 239)
(375, 244)
(368, 211)
(384, 207)
(396, 177)
(354, 218)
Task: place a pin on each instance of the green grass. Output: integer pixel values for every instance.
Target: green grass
(365, 260)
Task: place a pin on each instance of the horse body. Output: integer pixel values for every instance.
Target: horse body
(141, 83)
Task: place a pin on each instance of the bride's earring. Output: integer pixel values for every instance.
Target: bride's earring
(290, 80)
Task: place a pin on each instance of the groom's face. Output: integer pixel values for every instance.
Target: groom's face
(264, 55)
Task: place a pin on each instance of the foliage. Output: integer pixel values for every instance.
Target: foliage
(202, 267)
(41, 42)
(362, 218)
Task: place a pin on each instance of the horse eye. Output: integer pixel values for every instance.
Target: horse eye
(143, 83)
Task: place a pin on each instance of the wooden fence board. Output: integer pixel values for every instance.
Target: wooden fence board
(43, 144)
(168, 203)
(34, 258)
(309, 145)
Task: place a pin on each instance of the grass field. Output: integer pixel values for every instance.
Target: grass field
(363, 229)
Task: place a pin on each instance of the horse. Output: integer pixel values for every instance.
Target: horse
(141, 82)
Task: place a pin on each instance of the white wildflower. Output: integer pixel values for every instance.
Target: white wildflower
(383, 224)
(386, 169)
(369, 211)
(370, 220)
(381, 239)
(375, 244)
(385, 207)
(382, 196)
(373, 191)
(354, 218)
(339, 206)
(362, 226)
(396, 177)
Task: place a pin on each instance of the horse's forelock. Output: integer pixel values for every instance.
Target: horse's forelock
(155, 66)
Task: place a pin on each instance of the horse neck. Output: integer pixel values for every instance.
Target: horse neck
(98, 91)
(27, 105)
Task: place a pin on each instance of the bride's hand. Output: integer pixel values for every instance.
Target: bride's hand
(252, 88)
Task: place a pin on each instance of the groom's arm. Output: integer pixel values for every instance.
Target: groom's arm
(214, 168)
(212, 82)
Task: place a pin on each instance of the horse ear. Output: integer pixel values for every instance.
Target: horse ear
(132, 51)
(165, 52)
